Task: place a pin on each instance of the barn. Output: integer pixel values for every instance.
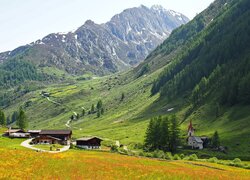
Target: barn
(89, 143)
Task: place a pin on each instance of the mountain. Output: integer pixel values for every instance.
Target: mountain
(122, 42)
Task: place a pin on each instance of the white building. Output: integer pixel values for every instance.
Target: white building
(194, 141)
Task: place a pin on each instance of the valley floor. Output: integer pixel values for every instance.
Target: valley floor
(20, 163)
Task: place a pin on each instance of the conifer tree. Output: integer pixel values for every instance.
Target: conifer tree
(215, 142)
(92, 108)
(22, 119)
(102, 111)
(2, 118)
(83, 112)
(174, 134)
(149, 135)
(99, 104)
(165, 136)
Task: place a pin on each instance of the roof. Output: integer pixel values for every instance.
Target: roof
(197, 139)
(87, 138)
(55, 132)
(34, 131)
(14, 130)
(51, 137)
(190, 127)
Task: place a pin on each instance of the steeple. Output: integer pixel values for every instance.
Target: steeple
(190, 129)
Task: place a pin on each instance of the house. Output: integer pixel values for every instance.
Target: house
(89, 143)
(46, 140)
(34, 133)
(54, 136)
(16, 133)
(194, 141)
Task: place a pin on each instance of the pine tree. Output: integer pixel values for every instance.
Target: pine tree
(22, 119)
(98, 113)
(215, 142)
(157, 133)
(174, 134)
(83, 112)
(92, 108)
(99, 104)
(102, 111)
(165, 136)
(123, 96)
(2, 118)
(148, 142)
(14, 116)
(8, 120)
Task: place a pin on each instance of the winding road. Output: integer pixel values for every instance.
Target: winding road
(26, 144)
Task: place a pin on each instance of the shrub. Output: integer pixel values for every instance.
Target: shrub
(193, 157)
(148, 154)
(237, 161)
(168, 156)
(155, 154)
(176, 157)
(213, 160)
(141, 154)
(182, 156)
(114, 148)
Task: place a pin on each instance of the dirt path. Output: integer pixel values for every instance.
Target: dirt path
(27, 145)
(203, 165)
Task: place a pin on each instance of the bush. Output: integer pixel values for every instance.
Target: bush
(182, 156)
(155, 154)
(237, 161)
(168, 156)
(114, 148)
(141, 154)
(193, 157)
(176, 157)
(148, 154)
(71, 146)
(213, 160)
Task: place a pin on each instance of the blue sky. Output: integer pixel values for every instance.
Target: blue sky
(24, 21)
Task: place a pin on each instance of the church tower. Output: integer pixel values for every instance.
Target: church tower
(190, 129)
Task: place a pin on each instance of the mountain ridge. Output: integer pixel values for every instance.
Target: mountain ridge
(116, 45)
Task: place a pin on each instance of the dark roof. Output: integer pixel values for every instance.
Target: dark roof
(88, 138)
(14, 131)
(55, 132)
(51, 137)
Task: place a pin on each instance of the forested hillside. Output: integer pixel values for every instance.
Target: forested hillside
(218, 58)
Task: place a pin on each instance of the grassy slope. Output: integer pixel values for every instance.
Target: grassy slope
(20, 163)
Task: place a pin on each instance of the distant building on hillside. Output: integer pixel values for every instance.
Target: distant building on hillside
(194, 141)
(89, 143)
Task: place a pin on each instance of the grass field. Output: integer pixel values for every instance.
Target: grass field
(20, 163)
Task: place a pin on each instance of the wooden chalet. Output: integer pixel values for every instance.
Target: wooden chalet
(89, 143)
(16, 133)
(53, 137)
(46, 140)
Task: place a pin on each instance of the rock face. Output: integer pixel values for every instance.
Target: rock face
(122, 42)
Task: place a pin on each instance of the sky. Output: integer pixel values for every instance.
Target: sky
(25, 21)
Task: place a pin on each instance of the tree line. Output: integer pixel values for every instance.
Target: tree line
(162, 134)
(18, 117)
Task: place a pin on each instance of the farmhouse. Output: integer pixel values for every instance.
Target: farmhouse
(194, 141)
(53, 137)
(16, 133)
(89, 143)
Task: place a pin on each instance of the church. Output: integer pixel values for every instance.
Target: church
(195, 142)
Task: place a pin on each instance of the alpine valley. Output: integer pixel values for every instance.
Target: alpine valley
(142, 64)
